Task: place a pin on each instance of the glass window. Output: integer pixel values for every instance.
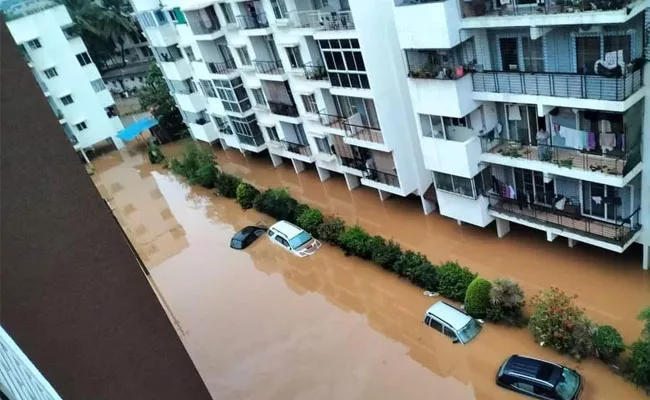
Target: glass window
(323, 145)
(223, 125)
(509, 54)
(34, 44)
(273, 134)
(65, 100)
(242, 52)
(568, 385)
(455, 184)
(227, 13)
(469, 331)
(98, 85)
(449, 332)
(295, 58)
(525, 386)
(300, 240)
(587, 53)
(258, 95)
(84, 58)
(435, 325)
(310, 103)
(50, 73)
(615, 43)
(81, 126)
(533, 55)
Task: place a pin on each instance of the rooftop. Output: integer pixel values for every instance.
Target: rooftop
(15, 9)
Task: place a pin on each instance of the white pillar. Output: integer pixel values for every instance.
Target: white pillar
(427, 206)
(503, 227)
(352, 181)
(83, 154)
(383, 195)
(275, 160)
(298, 165)
(572, 243)
(119, 143)
(323, 174)
(550, 236)
(459, 222)
(644, 214)
(646, 257)
(223, 143)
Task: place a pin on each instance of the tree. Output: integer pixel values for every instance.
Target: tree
(118, 22)
(155, 98)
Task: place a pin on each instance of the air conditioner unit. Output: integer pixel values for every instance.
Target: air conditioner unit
(591, 29)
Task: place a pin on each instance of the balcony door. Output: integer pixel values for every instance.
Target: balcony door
(600, 201)
(531, 185)
(509, 54)
(523, 123)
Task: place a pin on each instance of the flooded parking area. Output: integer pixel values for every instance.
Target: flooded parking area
(264, 324)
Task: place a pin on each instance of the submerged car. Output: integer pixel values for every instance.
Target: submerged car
(293, 239)
(452, 322)
(246, 236)
(539, 379)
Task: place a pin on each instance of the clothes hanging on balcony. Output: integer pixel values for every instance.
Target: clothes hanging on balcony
(514, 113)
(573, 138)
(542, 148)
(607, 141)
(591, 141)
(605, 126)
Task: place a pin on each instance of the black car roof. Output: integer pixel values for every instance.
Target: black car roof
(533, 368)
(245, 232)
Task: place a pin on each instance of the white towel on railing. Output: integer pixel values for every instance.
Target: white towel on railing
(573, 138)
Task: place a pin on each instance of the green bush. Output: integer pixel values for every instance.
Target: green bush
(331, 229)
(246, 194)
(407, 262)
(559, 324)
(310, 220)
(354, 241)
(156, 156)
(454, 280)
(176, 166)
(374, 242)
(507, 303)
(644, 316)
(425, 276)
(608, 343)
(297, 212)
(639, 363)
(276, 203)
(477, 298)
(198, 166)
(227, 185)
(206, 174)
(387, 254)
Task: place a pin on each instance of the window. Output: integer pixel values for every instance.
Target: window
(273, 134)
(279, 9)
(65, 100)
(301, 136)
(98, 85)
(618, 45)
(310, 103)
(323, 145)
(233, 95)
(258, 95)
(146, 19)
(533, 55)
(223, 125)
(601, 201)
(34, 44)
(344, 63)
(242, 52)
(227, 13)
(111, 111)
(587, 53)
(50, 73)
(84, 58)
(435, 324)
(527, 387)
(208, 89)
(160, 17)
(464, 121)
(190, 53)
(146, 52)
(455, 184)
(318, 4)
(295, 59)
(449, 333)
(172, 16)
(246, 126)
(509, 54)
(483, 181)
(81, 126)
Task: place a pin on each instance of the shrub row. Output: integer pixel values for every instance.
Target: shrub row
(555, 321)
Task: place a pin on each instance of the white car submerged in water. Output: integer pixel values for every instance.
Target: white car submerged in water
(293, 239)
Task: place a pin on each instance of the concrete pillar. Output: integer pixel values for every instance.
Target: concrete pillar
(459, 222)
(83, 154)
(427, 206)
(644, 214)
(503, 227)
(323, 174)
(275, 160)
(119, 143)
(646, 257)
(550, 236)
(298, 165)
(572, 243)
(223, 143)
(383, 195)
(352, 181)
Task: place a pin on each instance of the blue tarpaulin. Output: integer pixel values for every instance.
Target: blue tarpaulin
(132, 131)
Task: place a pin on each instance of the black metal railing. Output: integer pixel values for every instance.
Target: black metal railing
(569, 219)
(612, 163)
(365, 133)
(288, 110)
(581, 86)
(336, 21)
(478, 9)
(268, 67)
(381, 177)
(202, 121)
(315, 72)
(253, 21)
(335, 121)
(251, 140)
(222, 67)
(354, 163)
(399, 3)
(297, 148)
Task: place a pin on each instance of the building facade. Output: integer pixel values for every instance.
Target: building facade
(498, 113)
(65, 72)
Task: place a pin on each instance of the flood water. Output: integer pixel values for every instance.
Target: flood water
(263, 324)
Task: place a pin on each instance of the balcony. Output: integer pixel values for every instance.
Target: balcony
(268, 67)
(70, 32)
(440, 64)
(322, 20)
(222, 68)
(518, 8)
(254, 141)
(613, 236)
(315, 72)
(203, 21)
(287, 110)
(381, 177)
(253, 21)
(353, 163)
(331, 120)
(363, 133)
(297, 148)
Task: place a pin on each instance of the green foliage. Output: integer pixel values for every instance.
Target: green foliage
(297, 212)
(198, 166)
(276, 203)
(246, 195)
(227, 185)
(639, 363)
(425, 276)
(309, 220)
(454, 280)
(407, 262)
(507, 303)
(477, 298)
(608, 343)
(156, 156)
(331, 229)
(387, 254)
(644, 316)
(155, 98)
(176, 166)
(559, 324)
(354, 241)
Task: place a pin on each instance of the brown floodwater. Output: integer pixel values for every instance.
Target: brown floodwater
(263, 324)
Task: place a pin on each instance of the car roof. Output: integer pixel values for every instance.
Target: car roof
(245, 232)
(533, 368)
(287, 228)
(449, 314)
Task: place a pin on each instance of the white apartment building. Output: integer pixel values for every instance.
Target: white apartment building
(535, 113)
(517, 113)
(66, 73)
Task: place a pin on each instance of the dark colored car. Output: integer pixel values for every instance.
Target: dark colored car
(246, 236)
(539, 379)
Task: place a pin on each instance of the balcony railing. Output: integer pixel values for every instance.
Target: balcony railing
(255, 21)
(328, 21)
(595, 87)
(331, 120)
(269, 67)
(365, 133)
(315, 72)
(354, 163)
(569, 219)
(399, 3)
(381, 177)
(283, 109)
(297, 148)
(611, 163)
(486, 8)
(251, 140)
(221, 67)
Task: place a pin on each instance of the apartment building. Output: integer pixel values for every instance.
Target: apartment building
(316, 83)
(65, 72)
(535, 113)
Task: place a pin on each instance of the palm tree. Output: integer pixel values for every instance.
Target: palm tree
(117, 21)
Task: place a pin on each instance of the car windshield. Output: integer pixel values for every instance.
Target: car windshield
(299, 240)
(236, 244)
(568, 385)
(469, 331)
